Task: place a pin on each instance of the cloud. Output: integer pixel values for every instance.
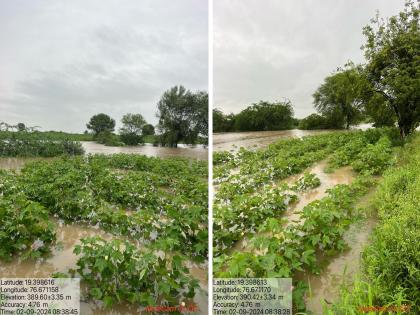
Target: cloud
(269, 50)
(63, 62)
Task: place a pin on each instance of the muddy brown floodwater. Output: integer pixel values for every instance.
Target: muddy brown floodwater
(341, 269)
(62, 258)
(232, 141)
(199, 152)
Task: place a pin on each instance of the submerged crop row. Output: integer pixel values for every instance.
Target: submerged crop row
(161, 203)
(250, 187)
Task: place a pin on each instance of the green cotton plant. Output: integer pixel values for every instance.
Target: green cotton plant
(306, 182)
(374, 158)
(116, 271)
(167, 197)
(25, 229)
(245, 213)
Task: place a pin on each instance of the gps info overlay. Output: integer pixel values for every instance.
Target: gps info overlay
(234, 296)
(39, 296)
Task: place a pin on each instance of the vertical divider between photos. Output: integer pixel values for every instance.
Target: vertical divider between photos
(210, 154)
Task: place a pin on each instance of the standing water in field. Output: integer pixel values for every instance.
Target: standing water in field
(62, 258)
(232, 141)
(195, 152)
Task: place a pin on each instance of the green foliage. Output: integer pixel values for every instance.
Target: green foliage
(132, 130)
(374, 158)
(25, 228)
(305, 182)
(148, 130)
(101, 123)
(222, 122)
(315, 121)
(183, 116)
(109, 139)
(393, 64)
(116, 271)
(168, 196)
(44, 135)
(265, 116)
(391, 273)
(25, 146)
(341, 95)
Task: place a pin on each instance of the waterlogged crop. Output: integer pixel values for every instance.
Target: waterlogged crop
(25, 228)
(251, 201)
(116, 271)
(160, 203)
(306, 181)
(24, 146)
(391, 273)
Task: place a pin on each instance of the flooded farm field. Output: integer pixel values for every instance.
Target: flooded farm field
(321, 213)
(141, 187)
(232, 141)
(188, 151)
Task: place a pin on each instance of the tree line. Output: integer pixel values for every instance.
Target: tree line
(182, 114)
(385, 91)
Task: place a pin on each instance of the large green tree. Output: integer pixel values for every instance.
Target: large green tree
(183, 116)
(265, 116)
(132, 128)
(148, 130)
(101, 123)
(392, 51)
(222, 122)
(342, 95)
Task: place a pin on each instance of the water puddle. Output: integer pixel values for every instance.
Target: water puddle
(12, 163)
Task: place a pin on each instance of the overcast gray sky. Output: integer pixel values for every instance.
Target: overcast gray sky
(271, 49)
(63, 61)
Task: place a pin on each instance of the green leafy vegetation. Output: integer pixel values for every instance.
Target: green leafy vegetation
(22, 146)
(25, 228)
(183, 116)
(161, 203)
(251, 201)
(257, 117)
(391, 273)
(116, 271)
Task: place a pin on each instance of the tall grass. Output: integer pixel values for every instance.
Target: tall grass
(391, 263)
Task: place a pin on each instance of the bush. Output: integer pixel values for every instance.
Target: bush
(131, 138)
(109, 139)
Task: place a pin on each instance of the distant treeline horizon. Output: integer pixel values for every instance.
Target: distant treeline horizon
(182, 114)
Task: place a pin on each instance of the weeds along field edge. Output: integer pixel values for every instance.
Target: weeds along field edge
(167, 203)
(391, 262)
(280, 249)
